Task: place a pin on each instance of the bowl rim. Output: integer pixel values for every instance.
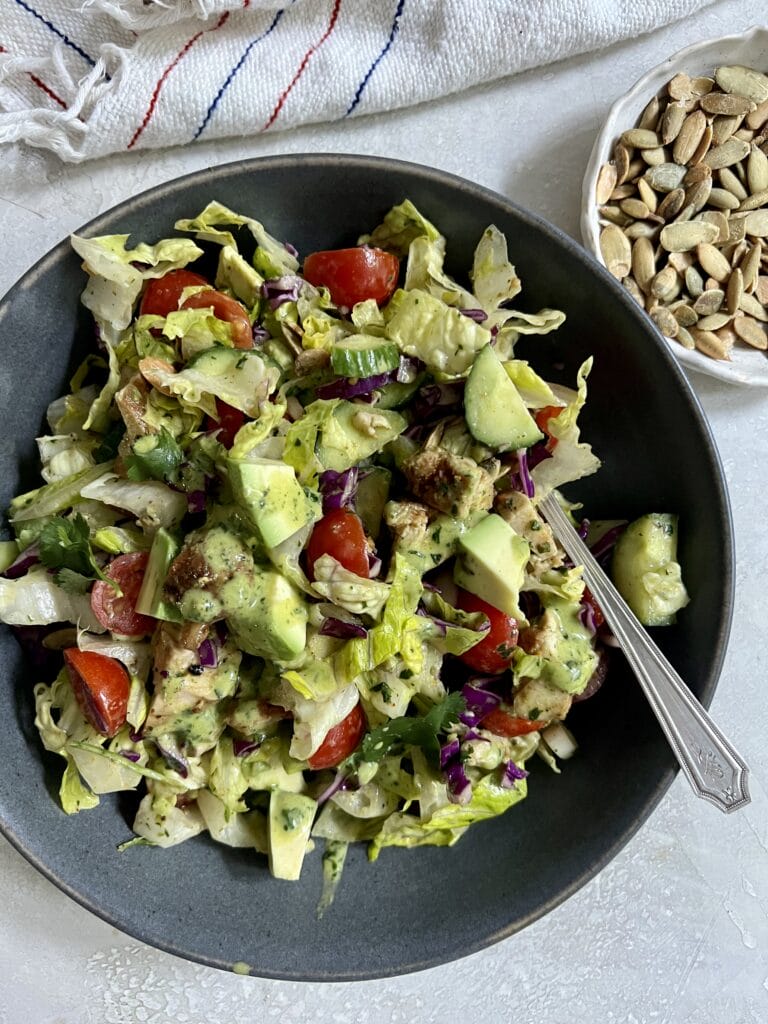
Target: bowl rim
(636, 97)
(377, 165)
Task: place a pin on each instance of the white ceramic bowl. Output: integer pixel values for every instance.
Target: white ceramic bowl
(747, 366)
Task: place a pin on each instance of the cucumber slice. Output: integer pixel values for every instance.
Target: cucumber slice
(645, 571)
(496, 414)
(364, 356)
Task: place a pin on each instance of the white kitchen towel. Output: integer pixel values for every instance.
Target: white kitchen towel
(89, 77)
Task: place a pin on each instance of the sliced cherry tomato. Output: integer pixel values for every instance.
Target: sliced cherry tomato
(226, 309)
(101, 686)
(162, 294)
(494, 651)
(542, 417)
(229, 422)
(354, 275)
(118, 612)
(339, 534)
(340, 741)
(502, 723)
(588, 598)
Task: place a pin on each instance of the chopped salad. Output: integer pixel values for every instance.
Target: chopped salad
(286, 559)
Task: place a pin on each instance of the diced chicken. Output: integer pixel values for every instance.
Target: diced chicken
(408, 520)
(538, 698)
(519, 511)
(192, 566)
(449, 483)
(131, 400)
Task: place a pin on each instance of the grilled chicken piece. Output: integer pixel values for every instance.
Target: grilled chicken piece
(449, 483)
(408, 520)
(519, 511)
(206, 562)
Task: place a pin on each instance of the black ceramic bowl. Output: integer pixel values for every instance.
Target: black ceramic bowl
(411, 909)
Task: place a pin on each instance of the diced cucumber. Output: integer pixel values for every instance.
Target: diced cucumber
(645, 570)
(290, 821)
(364, 356)
(496, 414)
(372, 496)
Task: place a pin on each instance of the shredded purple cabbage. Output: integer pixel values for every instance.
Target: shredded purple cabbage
(526, 483)
(512, 774)
(208, 654)
(343, 387)
(339, 782)
(587, 618)
(339, 490)
(23, 562)
(173, 760)
(435, 400)
(448, 752)
(342, 630)
(605, 544)
(242, 748)
(131, 755)
(583, 529)
(478, 315)
(479, 703)
(196, 501)
(459, 786)
(374, 565)
(278, 290)
(537, 453)
(260, 333)
(291, 249)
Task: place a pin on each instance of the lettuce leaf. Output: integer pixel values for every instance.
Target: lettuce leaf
(442, 337)
(35, 600)
(493, 277)
(571, 458)
(153, 503)
(356, 594)
(402, 224)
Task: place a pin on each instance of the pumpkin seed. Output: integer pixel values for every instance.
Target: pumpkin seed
(671, 122)
(757, 170)
(606, 183)
(614, 215)
(641, 229)
(694, 282)
(650, 115)
(697, 173)
(723, 199)
(755, 201)
(665, 321)
(632, 287)
(709, 301)
(724, 126)
(689, 137)
(643, 263)
(734, 291)
(757, 117)
(616, 251)
(664, 283)
(714, 321)
(743, 81)
(750, 266)
(761, 290)
(744, 134)
(621, 158)
(622, 192)
(713, 262)
(654, 157)
(665, 177)
(725, 103)
(753, 307)
(720, 221)
(671, 204)
(679, 237)
(701, 86)
(698, 194)
(640, 138)
(647, 195)
(703, 147)
(685, 315)
(750, 331)
(635, 208)
(729, 180)
(737, 228)
(709, 343)
(684, 337)
(727, 154)
(756, 223)
(680, 87)
(681, 261)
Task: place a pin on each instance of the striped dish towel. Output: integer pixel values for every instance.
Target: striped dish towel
(84, 78)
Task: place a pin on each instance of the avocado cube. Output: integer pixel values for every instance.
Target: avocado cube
(150, 600)
(266, 614)
(491, 564)
(272, 498)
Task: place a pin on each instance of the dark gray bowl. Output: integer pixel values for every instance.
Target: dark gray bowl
(412, 909)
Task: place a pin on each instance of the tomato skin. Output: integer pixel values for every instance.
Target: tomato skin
(118, 613)
(339, 534)
(340, 741)
(101, 686)
(225, 308)
(502, 723)
(161, 295)
(542, 417)
(229, 422)
(354, 275)
(588, 598)
(493, 653)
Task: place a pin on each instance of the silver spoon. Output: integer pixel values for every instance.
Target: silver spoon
(714, 769)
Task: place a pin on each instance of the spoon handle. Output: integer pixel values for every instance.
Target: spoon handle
(714, 769)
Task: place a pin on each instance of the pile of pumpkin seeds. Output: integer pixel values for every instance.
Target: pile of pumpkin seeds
(683, 206)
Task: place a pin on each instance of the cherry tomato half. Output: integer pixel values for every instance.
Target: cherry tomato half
(101, 686)
(340, 741)
(542, 417)
(162, 294)
(354, 275)
(118, 612)
(226, 309)
(339, 534)
(502, 723)
(588, 598)
(494, 651)
(229, 422)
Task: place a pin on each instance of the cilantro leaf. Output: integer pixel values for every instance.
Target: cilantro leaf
(110, 442)
(72, 582)
(423, 732)
(155, 457)
(65, 544)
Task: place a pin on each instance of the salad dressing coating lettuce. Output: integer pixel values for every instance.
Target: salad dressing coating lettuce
(169, 441)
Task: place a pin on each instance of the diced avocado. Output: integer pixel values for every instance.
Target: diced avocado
(266, 614)
(364, 356)
(150, 601)
(496, 414)
(235, 272)
(491, 564)
(9, 551)
(645, 570)
(438, 542)
(372, 494)
(272, 498)
(290, 821)
(271, 767)
(354, 432)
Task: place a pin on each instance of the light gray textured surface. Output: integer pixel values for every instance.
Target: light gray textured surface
(675, 930)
